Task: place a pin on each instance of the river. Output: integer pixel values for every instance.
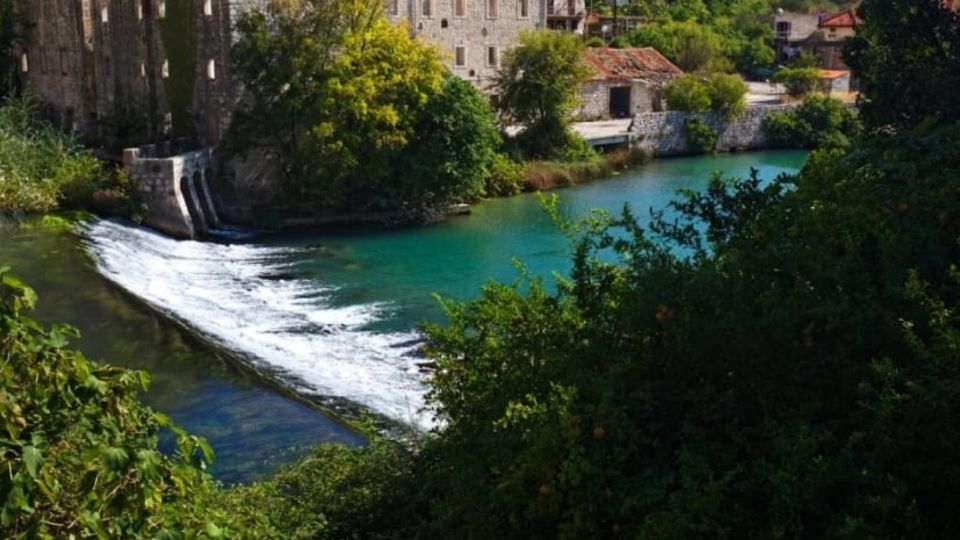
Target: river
(332, 316)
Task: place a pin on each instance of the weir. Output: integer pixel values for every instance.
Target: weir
(173, 184)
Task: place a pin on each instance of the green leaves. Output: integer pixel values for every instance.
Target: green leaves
(79, 449)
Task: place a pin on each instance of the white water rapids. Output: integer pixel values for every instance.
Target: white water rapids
(283, 326)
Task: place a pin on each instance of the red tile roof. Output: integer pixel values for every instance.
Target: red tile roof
(833, 73)
(844, 19)
(626, 64)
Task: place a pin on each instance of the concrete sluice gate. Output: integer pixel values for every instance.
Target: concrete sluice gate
(174, 188)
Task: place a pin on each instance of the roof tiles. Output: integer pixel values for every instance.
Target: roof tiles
(626, 64)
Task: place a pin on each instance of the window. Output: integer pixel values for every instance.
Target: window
(211, 69)
(492, 8)
(104, 15)
(492, 57)
(459, 8)
(162, 9)
(208, 7)
(139, 12)
(24, 64)
(165, 69)
(427, 8)
(143, 69)
(524, 7)
(460, 56)
(783, 30)
(444, 23)
(393, 7)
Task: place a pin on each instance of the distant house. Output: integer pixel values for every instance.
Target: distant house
(832, 31)
(791, 32)
(834, 81)
(566, 15)
(624, 82)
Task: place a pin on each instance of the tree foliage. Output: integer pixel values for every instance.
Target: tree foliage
(907, 57)
(42, 168)
(798, 81)
(784, 367)
(337, 93)
(721, 93)
(820, 122)
(708, 36)
(700, 136)
(537, 87)
(79, 451)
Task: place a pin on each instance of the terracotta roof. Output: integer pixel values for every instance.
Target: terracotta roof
(626, 64)
(844, 19)
(833, 73)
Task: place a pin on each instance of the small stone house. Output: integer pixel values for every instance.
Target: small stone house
(791, 31)
(624, 82)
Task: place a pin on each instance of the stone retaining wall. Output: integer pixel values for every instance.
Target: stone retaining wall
(662, 133)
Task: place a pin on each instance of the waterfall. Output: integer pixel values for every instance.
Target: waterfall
(242, 298)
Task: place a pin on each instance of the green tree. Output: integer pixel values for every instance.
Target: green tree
(727, 94)
(798, 81)
(687, 93)
(907, 57)
(538, 86)
(688, 44)
(334, 91)
(452, 150)
(700, 136)
(820, 122)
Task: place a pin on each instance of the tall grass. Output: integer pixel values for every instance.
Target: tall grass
(41, 168)
(545, 175)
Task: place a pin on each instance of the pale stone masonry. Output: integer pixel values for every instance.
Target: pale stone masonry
(96, 62)
(472, 34)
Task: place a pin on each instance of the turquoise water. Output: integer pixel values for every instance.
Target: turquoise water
(454, 258)
(333, 315)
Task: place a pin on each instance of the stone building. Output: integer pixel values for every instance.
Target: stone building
(472, 33)
(145, 69)
(832, 31)
(625, 82)
(791, 32)
(566, 15)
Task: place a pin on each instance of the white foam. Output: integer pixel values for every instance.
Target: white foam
(286, 325)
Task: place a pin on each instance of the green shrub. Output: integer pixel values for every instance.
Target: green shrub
(505, 177)
(727, 94)
(819, 122)
(595, 42)
(687, 93)
(79, 451)
(700, 136)
(620, 42)
(40, 167)
(798, 81)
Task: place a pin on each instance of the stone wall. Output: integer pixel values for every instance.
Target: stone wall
(174, 187)
(595, 98)
(477, 30)
(96, 64)
(662, 133)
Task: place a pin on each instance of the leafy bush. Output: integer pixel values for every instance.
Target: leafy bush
(40, 167)
(620, 42)
(595, 42)
(798, 81)
(687, 93)
(759, 361)
(79, 451)
(700, 136)
(819, 122)
(727, 94)
(505, 177)
(450, 154)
